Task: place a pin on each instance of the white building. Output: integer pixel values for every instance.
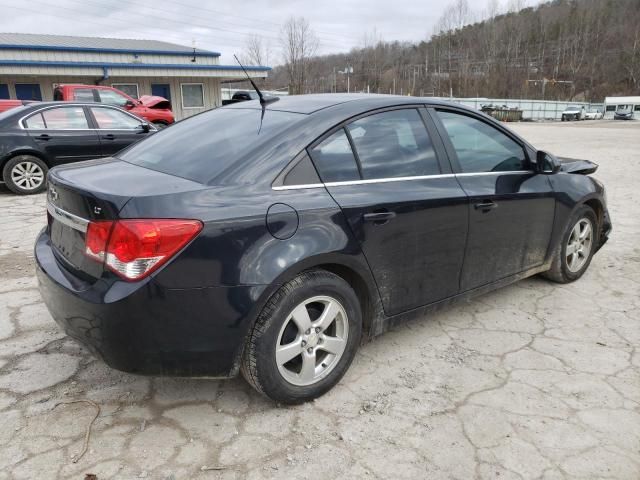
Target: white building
(611, 104)
(32, 65)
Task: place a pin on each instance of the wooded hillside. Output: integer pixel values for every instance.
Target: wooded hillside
(585, 49)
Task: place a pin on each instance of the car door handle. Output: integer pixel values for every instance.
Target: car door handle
(485, 206)
(109, 136)
(43, 136)
(378, 218)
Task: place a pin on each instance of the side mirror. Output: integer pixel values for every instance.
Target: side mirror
(547, 163)
(145, 127)
(129, 104)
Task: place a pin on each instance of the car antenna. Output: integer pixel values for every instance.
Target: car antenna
(263, 101)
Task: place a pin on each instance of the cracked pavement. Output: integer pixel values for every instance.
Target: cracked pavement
(533, 381)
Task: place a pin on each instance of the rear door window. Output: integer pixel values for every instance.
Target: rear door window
(65, 118)
(393, 144)
(334, 158)
(35, 122)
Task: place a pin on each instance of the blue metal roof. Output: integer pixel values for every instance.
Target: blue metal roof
(172, 66)
(30, 41)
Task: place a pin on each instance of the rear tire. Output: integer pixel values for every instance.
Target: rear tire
(25, 174)
(573, 255)
(305, 338)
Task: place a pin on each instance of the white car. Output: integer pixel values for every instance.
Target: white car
(573, 113)
(593, 114)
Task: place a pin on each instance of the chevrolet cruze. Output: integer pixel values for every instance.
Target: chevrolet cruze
(271, 242)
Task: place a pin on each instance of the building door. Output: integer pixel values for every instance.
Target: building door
(4, 91)
(28, 91)
(161, 90)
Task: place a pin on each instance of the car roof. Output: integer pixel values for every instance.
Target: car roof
(309, 104)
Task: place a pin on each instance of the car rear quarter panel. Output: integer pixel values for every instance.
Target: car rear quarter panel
(235, 246)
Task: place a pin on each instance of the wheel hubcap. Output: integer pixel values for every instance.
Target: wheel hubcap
(312, 340)
(579, 245)
(27, 175)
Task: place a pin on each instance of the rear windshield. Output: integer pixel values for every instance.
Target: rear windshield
(204, 146)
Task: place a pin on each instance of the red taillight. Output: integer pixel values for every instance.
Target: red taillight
(96, 239)
(135, 248)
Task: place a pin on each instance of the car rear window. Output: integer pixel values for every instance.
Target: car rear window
(202, 147)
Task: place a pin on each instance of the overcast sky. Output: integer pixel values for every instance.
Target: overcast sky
(224, 26)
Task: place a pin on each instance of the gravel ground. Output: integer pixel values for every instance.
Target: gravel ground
(533, 381)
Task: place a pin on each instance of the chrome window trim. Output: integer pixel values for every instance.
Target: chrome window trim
(68, 219)
(398, 179)
(90, 105)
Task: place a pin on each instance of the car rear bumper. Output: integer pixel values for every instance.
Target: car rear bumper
(144, 328)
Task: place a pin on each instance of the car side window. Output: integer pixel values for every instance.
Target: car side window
(112, 119)
(83, 94)
(393, 144)
(65, 118)
(112, 98)
(35, 122)
(481, 147)
(334, 158)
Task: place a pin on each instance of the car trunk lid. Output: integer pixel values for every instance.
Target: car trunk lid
(93, 191)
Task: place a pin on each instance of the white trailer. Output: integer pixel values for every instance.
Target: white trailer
(613, 104)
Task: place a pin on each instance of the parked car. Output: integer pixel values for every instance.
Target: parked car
(623, 112)
(156, 110)
(226, 243)
(573, 113)
(240, 96)
(593, 114)
(41, 135)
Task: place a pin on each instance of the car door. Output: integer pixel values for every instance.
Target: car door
(116, 129)
(63, 134)
(408, 213)
(511, 207)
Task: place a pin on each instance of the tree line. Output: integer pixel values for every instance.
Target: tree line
(558, 50)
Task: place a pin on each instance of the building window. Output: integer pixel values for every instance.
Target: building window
(4, 91)
(28, 91)
(130, 89)
(192, 95)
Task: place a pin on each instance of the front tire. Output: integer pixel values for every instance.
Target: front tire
(573, 255)
(25, 174)
(305, 338)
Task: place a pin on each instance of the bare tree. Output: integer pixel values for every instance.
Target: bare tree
(256, 51)
(299, 45)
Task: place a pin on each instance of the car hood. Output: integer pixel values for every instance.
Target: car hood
(151, 101)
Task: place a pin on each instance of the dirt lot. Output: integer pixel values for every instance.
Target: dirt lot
(534, 381)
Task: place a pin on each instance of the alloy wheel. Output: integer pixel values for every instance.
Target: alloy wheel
(579, 245)
(312, 340)
(27, 175)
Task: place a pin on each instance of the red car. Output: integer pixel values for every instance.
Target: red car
(8, 104)
(156, 110)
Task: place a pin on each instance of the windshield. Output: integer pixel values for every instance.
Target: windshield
(572, 109)
(202, 147)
